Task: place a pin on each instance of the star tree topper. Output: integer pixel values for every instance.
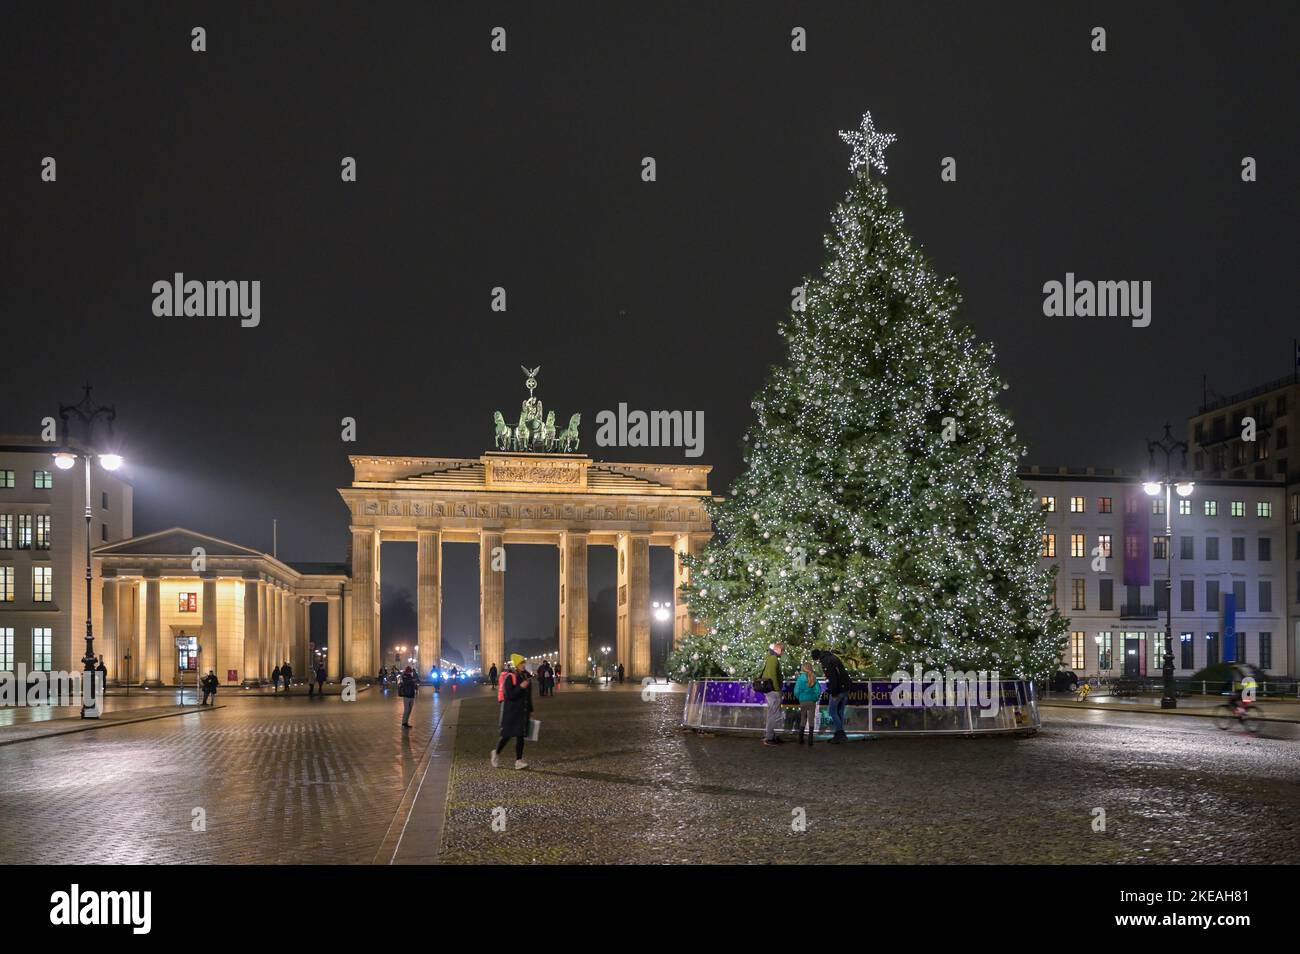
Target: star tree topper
(868, 146)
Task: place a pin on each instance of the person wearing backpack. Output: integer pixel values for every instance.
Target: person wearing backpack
(807, 691)
(516, 707)
(769, 683)
(407, 687)
(837, 686)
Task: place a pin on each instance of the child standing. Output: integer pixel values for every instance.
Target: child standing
(807, 691)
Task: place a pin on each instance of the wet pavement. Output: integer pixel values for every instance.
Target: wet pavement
(614, 779)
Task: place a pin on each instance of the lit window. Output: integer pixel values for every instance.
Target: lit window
(1077, 545)
(1103, 541)
(1211, 508)
(6, 649)
(1263, 509)
(1159, 548)
(1158, 505)
(42, 584)
(42, 531)
(1049, 504)
(1105, 646)
(1103, 505)
(188, 602)
(1238, 508)
(24, 531)
(6, 480)
(1049, 545)
(1077, 642)
(1184, 508)
(1076, 505)
(6, 588)
(42, 648)
(6, 531)
(42, 479)
(1077, 593)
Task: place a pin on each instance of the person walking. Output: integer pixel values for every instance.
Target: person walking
(620, 673)
(209, 684)
(286, 673)
(807, 691)
(275, 679)
(516, 707)
(320, 679)
(492, 675)
(559, 671)
(837, 686)
(407, 687)
(769, 683)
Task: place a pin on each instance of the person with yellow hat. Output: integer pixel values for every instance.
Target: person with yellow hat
(516, 695)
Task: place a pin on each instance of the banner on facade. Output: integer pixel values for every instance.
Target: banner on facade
(1137, 556)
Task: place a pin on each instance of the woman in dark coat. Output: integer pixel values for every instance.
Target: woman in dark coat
(515, 710)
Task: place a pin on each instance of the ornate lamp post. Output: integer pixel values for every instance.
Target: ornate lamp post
(1154, 488)
(87, 413)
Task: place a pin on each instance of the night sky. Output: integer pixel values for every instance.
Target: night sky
(523, 170)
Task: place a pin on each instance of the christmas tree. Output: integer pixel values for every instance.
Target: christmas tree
(880, 514)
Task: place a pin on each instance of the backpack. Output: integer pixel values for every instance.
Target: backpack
(501, 685)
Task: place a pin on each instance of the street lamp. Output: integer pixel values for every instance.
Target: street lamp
(87, 412)
(1153, 489)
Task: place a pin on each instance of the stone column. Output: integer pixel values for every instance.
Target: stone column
(264, 666)
(357, 662)
(128, 628)
(492, 599)
(334, 657)
(289, 630)
(622, 638)
(573, 603)
(152, 632)
(428, 556)
(304, 652)
(252, 674)
(684, 544)
(638, 604)
(208, 634)
(108, 628)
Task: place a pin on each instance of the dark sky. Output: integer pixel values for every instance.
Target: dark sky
(523, 170)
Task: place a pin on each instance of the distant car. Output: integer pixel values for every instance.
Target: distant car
(1065, 681)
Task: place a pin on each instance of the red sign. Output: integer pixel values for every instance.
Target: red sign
(232, 675)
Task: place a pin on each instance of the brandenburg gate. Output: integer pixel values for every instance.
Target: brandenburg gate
(512, 495)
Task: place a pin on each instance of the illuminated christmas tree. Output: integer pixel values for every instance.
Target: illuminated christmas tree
(880, 514)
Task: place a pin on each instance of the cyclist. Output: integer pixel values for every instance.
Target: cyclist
(1245, 682)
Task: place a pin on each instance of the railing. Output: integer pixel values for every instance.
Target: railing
(1240, 396)
(1136, 611)
(728, 705)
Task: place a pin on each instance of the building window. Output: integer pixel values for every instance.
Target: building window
(188, 602)
(1077, 593)
(6, 584)
(1076, 650)
(42, 584)
(1077, 545)
(42, 479)
(6, 531)
(1295, 508)
(1103, 541)
(1265, 549)
(1162, 595)
(1211, 596)
(1281, 405)
(103, 532)
(6, 480)
(6, 649)
(1076, 505)
(1211, 649)
(1265, 650)
(1184, 507)
(1104, 505)
(42, 648)
(1266, 596)
(1106, 594)
(1211, 508)
(1049, 504)
(1187, 596)
(1281, 438)
(1238, 454)
(1237, 508)
(1211, 548)
(1158, 505)
(1187, 548)
(1239, 594)
(1051, 596)
(24, 531)
(1159, 647)
(103, 500)
(1263, 508)
(1105, 647)
(1198, 461)
(1239, 548)
(1188, 652)
(1049, 545)
(1159, 548)
(42, 531)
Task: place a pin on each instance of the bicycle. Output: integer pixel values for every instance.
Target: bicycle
(1244, 714)
(1082, 693)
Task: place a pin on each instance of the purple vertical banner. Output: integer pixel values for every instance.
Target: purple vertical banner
(1229, 627)
(1137, 556)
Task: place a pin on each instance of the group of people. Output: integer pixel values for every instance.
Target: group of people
(807, 690)
(547, 678)
(284, 673)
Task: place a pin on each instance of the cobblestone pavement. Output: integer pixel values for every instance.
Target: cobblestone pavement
(614, 779)
(291, 780)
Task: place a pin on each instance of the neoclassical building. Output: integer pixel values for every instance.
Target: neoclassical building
(177, 602)
(562, 500)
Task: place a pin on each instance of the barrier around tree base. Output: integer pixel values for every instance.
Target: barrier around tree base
(729, 705)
